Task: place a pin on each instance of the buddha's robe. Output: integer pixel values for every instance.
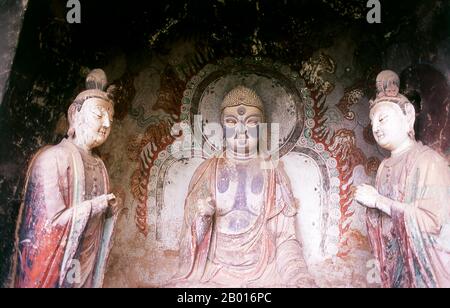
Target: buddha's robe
(250, 240)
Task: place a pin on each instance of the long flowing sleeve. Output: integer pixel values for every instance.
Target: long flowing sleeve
(196, 230)
(45, 222)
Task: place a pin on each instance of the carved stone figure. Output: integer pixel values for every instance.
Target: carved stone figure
(408, 216)
(239, 224)
(68, 213)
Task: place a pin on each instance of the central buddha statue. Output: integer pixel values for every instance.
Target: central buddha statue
(239, 220)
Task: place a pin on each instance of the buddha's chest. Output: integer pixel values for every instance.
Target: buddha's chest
(240, 197)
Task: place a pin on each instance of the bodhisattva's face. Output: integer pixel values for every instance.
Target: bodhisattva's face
(389, 125)
(93, 122)
(241, 130)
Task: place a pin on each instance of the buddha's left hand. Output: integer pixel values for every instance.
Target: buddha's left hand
(206, 207)
(366, 195)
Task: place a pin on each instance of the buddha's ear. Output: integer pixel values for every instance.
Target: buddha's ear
(410, 115)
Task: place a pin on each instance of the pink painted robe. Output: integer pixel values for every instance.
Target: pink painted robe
(413, 245)
(47, 244)
(268, 255)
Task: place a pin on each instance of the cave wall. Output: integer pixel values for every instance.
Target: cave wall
(158, 51)
(11, 17)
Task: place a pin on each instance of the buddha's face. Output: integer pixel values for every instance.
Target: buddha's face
(389, 125)
(241, 130)
(93, 122)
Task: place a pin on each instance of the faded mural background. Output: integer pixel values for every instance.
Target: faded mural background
(313, 62)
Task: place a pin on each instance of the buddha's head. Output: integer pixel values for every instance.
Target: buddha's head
(241, 112)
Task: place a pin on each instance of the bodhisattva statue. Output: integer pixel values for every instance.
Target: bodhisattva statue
(239, 223)
(408, 216)
(68, 214)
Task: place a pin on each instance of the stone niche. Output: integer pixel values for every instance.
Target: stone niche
(317, 90)
(152, 155)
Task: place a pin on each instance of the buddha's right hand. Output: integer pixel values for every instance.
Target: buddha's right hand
(206, 207)
(101, 203)
(205, 211)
